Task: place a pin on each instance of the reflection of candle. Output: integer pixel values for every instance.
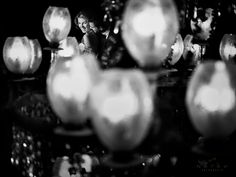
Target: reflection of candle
(121, 105)
(218, 94)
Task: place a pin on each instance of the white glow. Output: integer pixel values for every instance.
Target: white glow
(67, 51)
(178, 46)
(69, 47)
(175, 47)
(150, 22)
(87, 163)
(121, 105)
(220, 67)
(218, 95)
(18, 51)
(62, 86)
(196, 48)
(76, 83)
(57, 22)
(68, 64)
(220, 78)
(33, 54)
(116, 30)
(80, 78)
(230, 50)
(65, 164)
(148, 104)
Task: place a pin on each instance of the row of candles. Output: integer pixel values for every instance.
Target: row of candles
(121, 101)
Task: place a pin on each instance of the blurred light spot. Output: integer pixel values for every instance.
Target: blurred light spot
(121, 105)
(218, 95)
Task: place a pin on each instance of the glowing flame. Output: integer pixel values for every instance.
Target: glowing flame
(121, 105)
(57, 22)
(149, 22)
(218, 95)
(74, 85)
(149, 28)
(63, 86)
(19, 51)
(230, 50)
(81, 79)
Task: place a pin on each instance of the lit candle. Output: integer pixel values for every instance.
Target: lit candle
(227, 47)
(121, 108)
(56, 23)
(120, 105)
(22, 55)
(218, 94)
(69, 82)
(211, 99)
(149, 29)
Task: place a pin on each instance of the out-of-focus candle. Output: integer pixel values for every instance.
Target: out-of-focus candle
(69, 82)
(211, 99)
(121, 105)
(122, 108)
(218, 94)
(149, 29)
(227, 48)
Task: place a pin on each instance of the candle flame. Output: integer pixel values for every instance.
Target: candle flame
(121, 105)
(149, 22)
(230, 50)
(218, 95)
(76, 83)
(57, 22)
(18, 51)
